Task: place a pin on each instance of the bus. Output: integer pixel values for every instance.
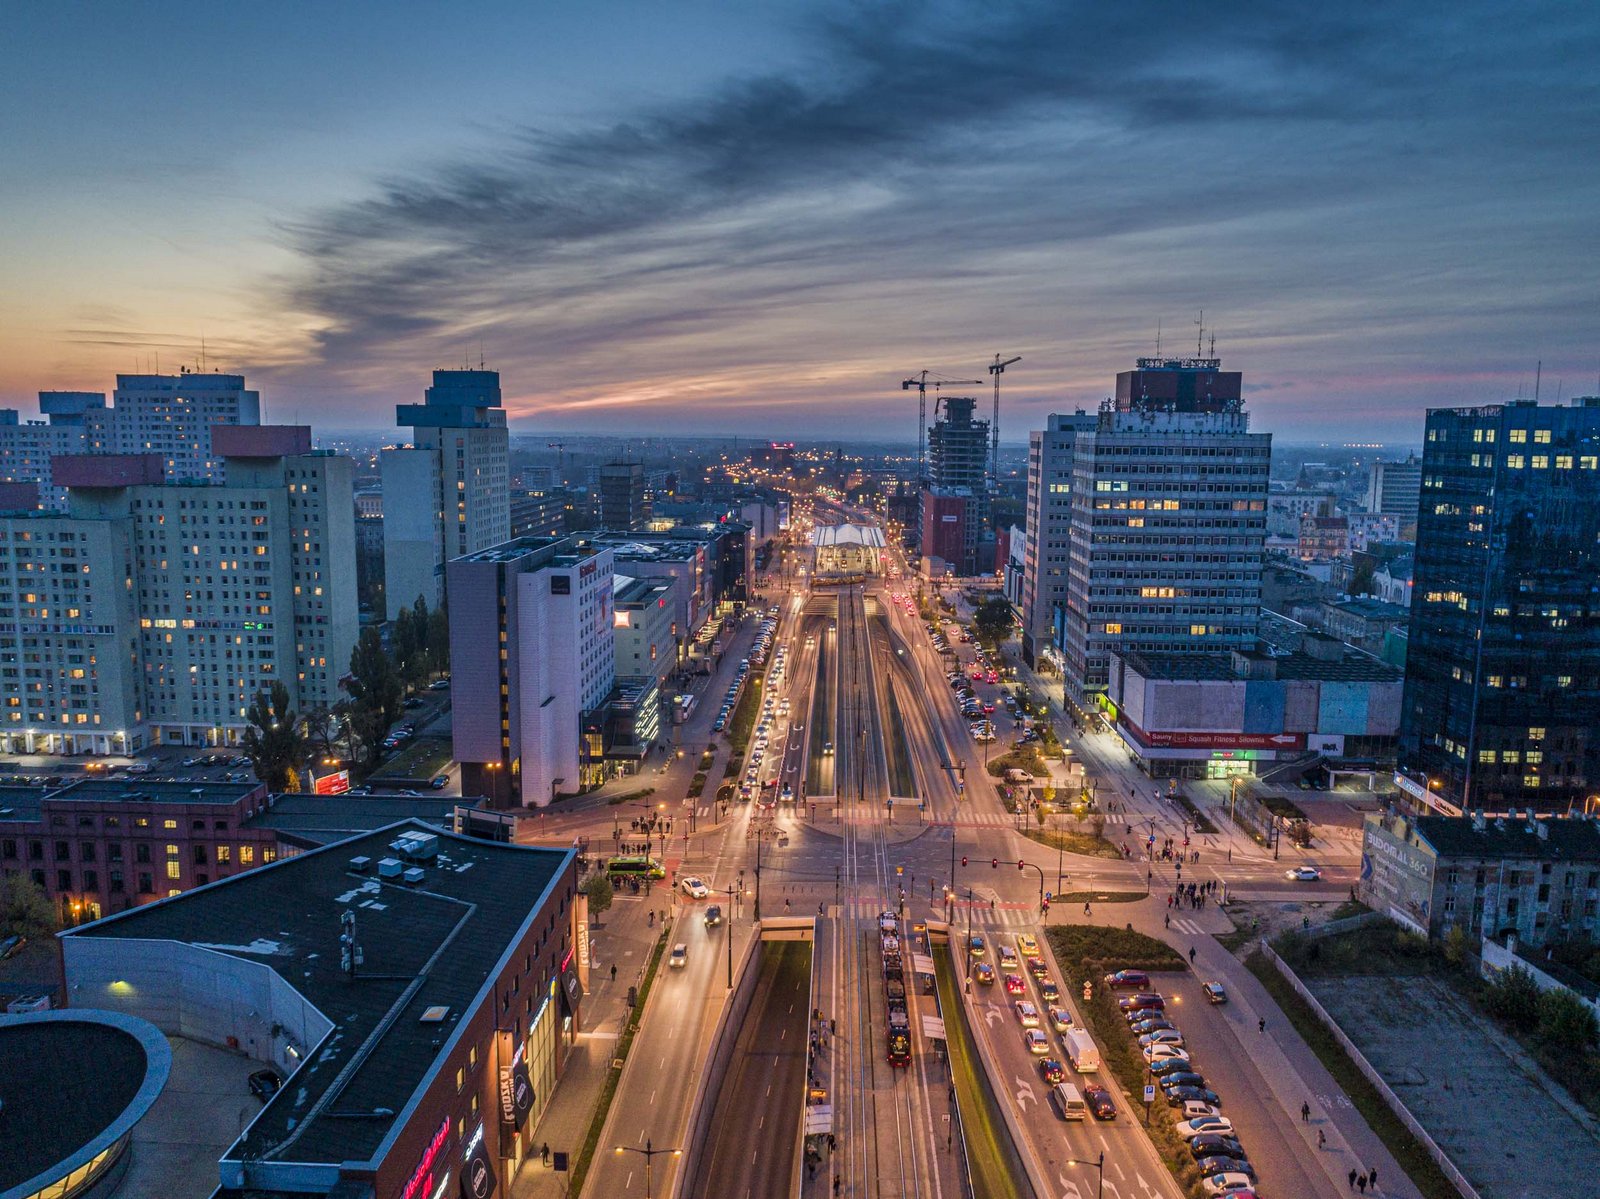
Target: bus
(634, 865)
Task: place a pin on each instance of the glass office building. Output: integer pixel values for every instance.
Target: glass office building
(1502, 697)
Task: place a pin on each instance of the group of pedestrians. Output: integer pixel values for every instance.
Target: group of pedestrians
(1192, 895)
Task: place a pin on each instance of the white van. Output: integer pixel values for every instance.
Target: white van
(1069, 1102)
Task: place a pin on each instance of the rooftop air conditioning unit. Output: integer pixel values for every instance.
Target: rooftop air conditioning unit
(390, 868)
(414, 876)
(361, 864)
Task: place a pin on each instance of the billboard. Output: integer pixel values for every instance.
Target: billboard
(336, 783)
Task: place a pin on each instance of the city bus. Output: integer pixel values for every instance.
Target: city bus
(634, 865)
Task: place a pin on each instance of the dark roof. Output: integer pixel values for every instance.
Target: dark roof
(70, 1079)
(477, 896)
(138, 790)
(1371, 609)
(21, 803)
(1354, 667)
(1573, 840)
(325, 818)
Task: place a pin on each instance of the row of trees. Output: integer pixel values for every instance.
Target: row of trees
(279, 739)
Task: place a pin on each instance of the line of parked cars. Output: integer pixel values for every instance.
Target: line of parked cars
(1225, 1168)
(758, 656)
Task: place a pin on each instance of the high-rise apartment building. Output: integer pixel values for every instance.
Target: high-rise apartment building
(532, 653)
(1502, 698)
(1049, 525)
(955, 504)
(173, 416)
(1169, 499)
(1393, 488)
(27, 447)
(622, 496)
(153, 612)
(445, 495)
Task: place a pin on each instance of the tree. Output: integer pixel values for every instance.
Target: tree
(1566, 1022)
(274, 740)
(25, 910)
(1514, 997)
(993, 619)
(375, 684)
(600, 892)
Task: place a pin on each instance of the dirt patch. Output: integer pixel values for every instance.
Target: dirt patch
(1263, 920)
(1507, 1127)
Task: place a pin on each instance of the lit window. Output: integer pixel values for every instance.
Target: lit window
(1517, 436)
(1541, 436)
(1114, 628)
(1536, 734)
(1514, 462)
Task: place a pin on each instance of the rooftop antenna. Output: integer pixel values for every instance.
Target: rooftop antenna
(480, 353)
(1200, 332)
(1158, 337)
(1213, 345)
(202, 351)
(1538, 372)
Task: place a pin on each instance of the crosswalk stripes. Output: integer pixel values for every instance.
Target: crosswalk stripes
(1189, 926)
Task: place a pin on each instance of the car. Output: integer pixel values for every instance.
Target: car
(264, 1084)
(695, 888)
(1183, 1078)
(1008, 957)
(1170, 1065)
(1014, 985)
(1060, 1019)
(1050, 1070)
(679, 957)
(1232, 1184)
(976, 946)
(1214, 1144)
(1027, 946)
(1161, 1036)
(713, 916)
(1193, 1109)
(1048, 990)
(1038, 969)
(439, 685)
(12, 945)
(1027, 1014)
(1302, 874)
(1214, 992)
(1198, 1127)
(1143, 1001)
(1210, 1166)
(984, 974)
(1152, 1024)
(1035, 1041)
(1178, 1096)
(1163, 1053)
(1130, 980)
(1099, 1101)
(440, 782)
(411, 702)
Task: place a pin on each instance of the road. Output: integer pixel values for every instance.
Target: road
(755, 1122)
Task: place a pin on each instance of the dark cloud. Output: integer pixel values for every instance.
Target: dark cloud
(1349, 183)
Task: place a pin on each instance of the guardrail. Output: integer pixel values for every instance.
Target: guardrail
(1403, 1113)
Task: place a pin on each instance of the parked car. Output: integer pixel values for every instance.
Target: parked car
(440, 782)
(1141, 1027)
(1132, 980)
(1162, 1036)
(1178, 1096)
(1226, 1165)
(1215, 1144)
(1232, 1184)
(1189, 1129)
(1144, 1001)
(1183, 1078)
(1163, 1053)
(1171, 1065)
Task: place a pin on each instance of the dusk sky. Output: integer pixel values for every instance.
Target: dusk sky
(759, 218)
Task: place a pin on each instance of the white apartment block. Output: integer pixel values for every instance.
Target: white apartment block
(1049, 525)
(1169, 498)
(448, 493)
(73, 424)
(173, 415)
(228, 587)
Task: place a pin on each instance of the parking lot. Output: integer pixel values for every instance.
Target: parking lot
(1508, 1128)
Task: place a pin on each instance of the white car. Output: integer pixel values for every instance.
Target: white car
(1036, 1041)
(1008, 957)
(1162, 1036)
(1195, 1109)
(1027, 1014)
(1160, 1053)
(1198, 1127)
(1227, 1184)
(695, 888)
(1060, 1019)
(679, 957)
(1303, 874)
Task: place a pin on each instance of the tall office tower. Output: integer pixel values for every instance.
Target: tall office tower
(235, 586)
(1502, 698)
(622, 502)
(447, 493)
(27, 447)
(1169, 511)
(173, 415)
(955, 503)
(532, 652)
(1394, 488)
(1049, 524)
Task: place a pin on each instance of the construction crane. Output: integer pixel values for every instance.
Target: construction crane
(997, 368)
(921, 383)
(560, 448)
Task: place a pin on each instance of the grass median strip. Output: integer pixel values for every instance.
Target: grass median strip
(608, 1092)
(1396, 1137)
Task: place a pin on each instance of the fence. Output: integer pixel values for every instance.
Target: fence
(1496, 957)
(1457, 1179)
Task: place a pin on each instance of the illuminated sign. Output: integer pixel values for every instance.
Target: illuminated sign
(336, 783)
(423, 1174)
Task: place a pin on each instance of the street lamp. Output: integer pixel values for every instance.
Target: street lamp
(1098, 1164)
(649, 1153)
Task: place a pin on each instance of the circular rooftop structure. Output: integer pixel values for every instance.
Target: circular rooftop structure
(74, 1086)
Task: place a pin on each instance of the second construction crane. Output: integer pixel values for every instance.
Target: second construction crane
(921, 382)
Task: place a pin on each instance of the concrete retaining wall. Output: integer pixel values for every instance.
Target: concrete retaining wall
(1457, 1179)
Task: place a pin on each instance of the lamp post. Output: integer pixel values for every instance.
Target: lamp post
(649, 1153)
(730, 892)
(1098, 1164)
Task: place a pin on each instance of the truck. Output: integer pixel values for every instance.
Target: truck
(1081, 1051)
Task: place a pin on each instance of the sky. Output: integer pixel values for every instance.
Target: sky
(760, 219)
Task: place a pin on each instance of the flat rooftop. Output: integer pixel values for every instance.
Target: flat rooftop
(1354, 667)
(22, 803)
(328, 818)
(138, 790)
(476, 899)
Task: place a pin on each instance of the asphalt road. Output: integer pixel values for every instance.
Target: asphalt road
(756, 1119)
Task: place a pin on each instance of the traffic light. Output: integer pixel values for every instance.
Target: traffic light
(994, 863)
(963, 859)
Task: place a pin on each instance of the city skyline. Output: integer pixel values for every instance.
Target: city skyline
(760, 222)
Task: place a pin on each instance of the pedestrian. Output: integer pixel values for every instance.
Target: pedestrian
(613, 972)
(1191, 955)
(1166, 921)
(838, 1184)
(1261, 1025)
(833, 1028)
(1305, 1113)
(1361, 1183)
(1322, 1139)
(833, 1142)
(1086, 911)
(544, 1153)
(1352, 1179)
(1372, 1178)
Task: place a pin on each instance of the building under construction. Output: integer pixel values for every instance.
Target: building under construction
(954, 514)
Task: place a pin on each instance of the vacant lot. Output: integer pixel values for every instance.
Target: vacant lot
(1507, 1127)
